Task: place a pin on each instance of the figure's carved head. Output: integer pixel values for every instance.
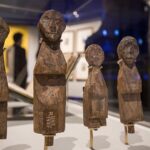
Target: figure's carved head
(51, 25)
(128, 50)
(4, 30)
(94, 55)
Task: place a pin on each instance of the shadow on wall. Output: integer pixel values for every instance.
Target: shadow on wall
(66, 143)
(139, 147)
(132, 138)
(18, 147)
(100, 142)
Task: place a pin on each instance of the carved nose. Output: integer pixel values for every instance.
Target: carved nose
(52, 26)
(130, 56)
(53, 29)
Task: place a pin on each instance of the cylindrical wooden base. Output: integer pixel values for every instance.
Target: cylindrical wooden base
(49, 140)
(131, 128)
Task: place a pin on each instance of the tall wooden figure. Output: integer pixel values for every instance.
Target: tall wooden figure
(95, 96)
(49, 78)
(4, 31)
(129, 85)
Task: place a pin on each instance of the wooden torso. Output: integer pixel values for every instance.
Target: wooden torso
(49, 91)
(3, 81)
(129, 94)
(95, 99)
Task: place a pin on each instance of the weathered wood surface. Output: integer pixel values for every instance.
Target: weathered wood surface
(49, 77)
(129, 83)
(95, 98)
(4, 30)
(3, 120)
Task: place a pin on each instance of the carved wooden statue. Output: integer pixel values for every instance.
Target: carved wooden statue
(49, 78)
(129, 84)
(4, 30)
(95, 99)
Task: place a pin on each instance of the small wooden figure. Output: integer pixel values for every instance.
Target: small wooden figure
(95, 95)
(4, 31)
(129, 85)
(49, 78)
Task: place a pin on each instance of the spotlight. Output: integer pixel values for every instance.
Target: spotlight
(140, 41)
(104, 32)
(75, 13)
(116, 32)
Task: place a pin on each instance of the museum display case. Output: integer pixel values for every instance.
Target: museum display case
(78, 73)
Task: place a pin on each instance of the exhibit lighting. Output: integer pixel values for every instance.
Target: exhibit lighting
(104, 32)
(76, 14)
(140, 41)
(116, 32)
(76, 11)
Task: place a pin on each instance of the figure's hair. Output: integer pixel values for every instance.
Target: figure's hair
(17, 37)
(125, 43)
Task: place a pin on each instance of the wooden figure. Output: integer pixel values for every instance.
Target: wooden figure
(49, 78)
(4, 31)
(129, 85)
(95, 95)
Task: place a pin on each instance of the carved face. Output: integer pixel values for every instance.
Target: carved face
(94, 55)
(4, 30)
(129, 56)
(52, 25)
(128, 50)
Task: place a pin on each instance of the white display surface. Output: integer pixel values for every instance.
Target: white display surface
(76, 136)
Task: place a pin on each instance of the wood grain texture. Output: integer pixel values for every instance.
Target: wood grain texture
(49, 78)
(3, 81)
(3, 120)
(4, 30)
(95, 94)
(129, 82)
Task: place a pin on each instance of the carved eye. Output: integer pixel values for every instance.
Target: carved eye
(45, 21)
(58, 21)
(46, 18)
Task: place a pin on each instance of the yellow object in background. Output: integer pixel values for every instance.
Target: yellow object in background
(9, 41)
(14, 29)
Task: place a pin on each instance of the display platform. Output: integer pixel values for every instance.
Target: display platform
(76, 136)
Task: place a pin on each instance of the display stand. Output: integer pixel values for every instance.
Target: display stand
(91, 139)
(126, 134)
(129, 128)
(48, 141)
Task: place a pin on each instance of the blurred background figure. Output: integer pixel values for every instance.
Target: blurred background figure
(16, 62)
